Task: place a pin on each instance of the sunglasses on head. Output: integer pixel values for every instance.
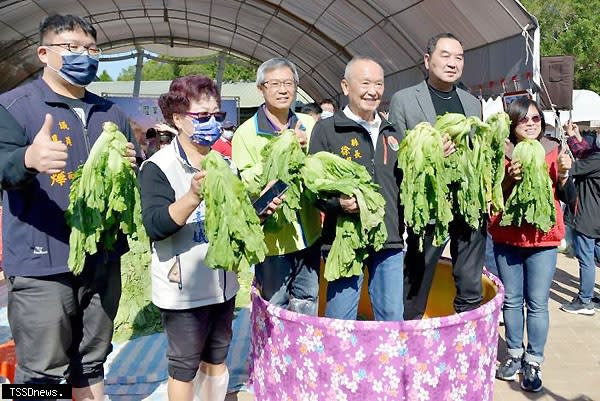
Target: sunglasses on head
(204, 117)
(536, 119)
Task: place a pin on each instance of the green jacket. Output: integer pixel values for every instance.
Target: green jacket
(248, 141)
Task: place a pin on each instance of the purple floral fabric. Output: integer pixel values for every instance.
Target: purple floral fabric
(296, 357)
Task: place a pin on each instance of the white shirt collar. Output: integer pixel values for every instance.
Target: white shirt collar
(375, 123)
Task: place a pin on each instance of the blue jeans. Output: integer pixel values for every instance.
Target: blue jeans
(490, 259)
(386, 280)
(292, 281)
(527, 275)
(586, 250)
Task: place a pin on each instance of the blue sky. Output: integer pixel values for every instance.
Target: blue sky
(114, 67)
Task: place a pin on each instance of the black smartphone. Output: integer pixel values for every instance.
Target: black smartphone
(262, 203)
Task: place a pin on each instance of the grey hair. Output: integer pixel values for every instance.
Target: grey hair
(273, 64)
(354, 60)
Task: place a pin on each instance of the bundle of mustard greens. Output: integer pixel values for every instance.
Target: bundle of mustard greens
(424, 186)
(235, 236)
(104, 199)
(476, 168)
(326, 174)
(283, 159)
(531, 199)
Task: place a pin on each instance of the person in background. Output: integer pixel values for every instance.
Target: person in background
(526, 256)
(359, 133)
(159, 136)
(582, 217)
(437, 95)
(289, 275)
(223, 145)
(328, 107)
(140, 137)
(313, 110)
(62, 324)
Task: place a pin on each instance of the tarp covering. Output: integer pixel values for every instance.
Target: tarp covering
(320, 36)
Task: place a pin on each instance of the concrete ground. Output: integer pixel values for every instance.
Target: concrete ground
(571, 371)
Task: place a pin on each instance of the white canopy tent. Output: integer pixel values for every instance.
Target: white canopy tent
(320, 36)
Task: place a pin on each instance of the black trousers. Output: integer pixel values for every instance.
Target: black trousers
(467, 248)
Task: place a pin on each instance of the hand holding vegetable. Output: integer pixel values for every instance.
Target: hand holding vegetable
(44, 154)
(130, 155)
(448, 145)
(531, 199)
(300, 134)
(514, 170)
(194, 192)
(349, 204)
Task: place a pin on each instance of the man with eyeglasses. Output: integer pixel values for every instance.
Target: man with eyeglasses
(289, 276)
(62, 324)
(436, 95)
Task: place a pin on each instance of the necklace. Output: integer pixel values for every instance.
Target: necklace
(442, 97)
(437, 93)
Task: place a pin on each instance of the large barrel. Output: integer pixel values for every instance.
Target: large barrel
(445, 356)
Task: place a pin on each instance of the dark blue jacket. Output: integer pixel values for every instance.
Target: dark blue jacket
(35, 233)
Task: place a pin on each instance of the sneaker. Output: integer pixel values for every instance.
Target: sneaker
(596, 302)
(532, 377)
(509, 369)
(578, 307)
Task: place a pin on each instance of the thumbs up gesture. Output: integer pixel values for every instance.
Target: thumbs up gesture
(45, 155)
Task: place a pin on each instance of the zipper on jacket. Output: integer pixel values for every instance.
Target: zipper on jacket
(385, 145)
(224, 285)
(83, 122)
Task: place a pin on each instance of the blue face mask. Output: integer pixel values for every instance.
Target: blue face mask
(206, 134)
(78, 69)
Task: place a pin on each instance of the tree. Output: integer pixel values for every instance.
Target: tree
(169, 68)
(151, 71)
(104, 77)
(571, 28)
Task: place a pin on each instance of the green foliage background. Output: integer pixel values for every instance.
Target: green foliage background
(168, 69)
(571, 27)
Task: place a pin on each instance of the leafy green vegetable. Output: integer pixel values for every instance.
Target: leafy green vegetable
(234, 233)
(499, 124)
(283, 158)
(424, 187)
(474, 169)
(104, 199)
(137, 315)
(326, 174)
(531, 199)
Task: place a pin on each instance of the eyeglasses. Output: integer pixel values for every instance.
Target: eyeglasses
(204, 117)
(79, 49)
(276, 84)
(536, 119)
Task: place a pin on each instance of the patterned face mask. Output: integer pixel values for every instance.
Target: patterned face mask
(206, 133)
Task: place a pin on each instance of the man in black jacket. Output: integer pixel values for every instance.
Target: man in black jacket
(359, 134)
